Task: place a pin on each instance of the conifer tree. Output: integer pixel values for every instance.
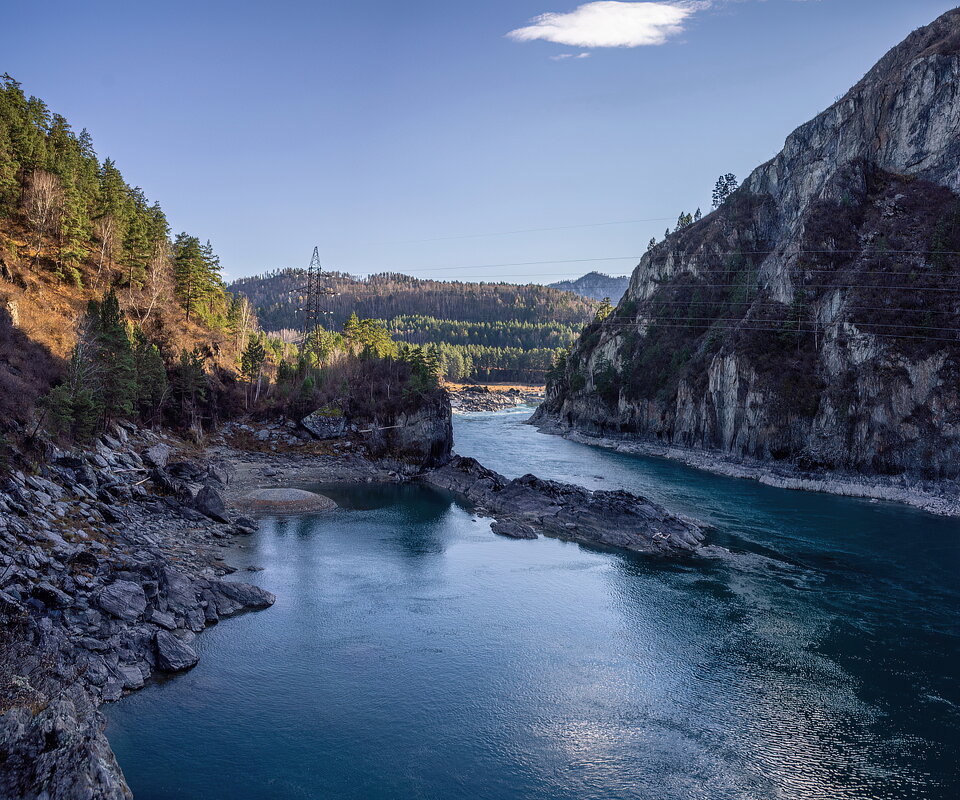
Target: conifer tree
(251, 367)
(152, 383)
(726, 185)
(118, 380)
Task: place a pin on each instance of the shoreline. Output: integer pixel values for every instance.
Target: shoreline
(104, 585)
(944, 500)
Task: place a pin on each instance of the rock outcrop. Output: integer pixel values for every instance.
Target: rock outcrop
(529, 504)
(812, 319)
(420, 437)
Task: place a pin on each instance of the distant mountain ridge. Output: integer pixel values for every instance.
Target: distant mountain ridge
(596, 286)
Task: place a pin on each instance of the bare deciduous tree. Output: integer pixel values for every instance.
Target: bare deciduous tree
(246, 324)
(107, 232)
(158, 285)
(43, 203)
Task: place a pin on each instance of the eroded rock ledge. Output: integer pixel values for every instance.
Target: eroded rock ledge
(529, 505)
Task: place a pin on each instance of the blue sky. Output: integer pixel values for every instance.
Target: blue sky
(390, 133)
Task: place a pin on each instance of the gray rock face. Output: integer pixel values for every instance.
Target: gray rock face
(529, 504)
(173, 654)
(425, 436)
(59, 753)
(785, 326)
(124, 600)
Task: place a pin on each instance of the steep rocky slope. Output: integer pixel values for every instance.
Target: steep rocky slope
(813, 318)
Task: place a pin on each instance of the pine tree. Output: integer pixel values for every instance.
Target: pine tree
(152, 383)
(604, 310)
(189, 270)
(251, 366)
(118, 380)
(726, 185)
(189, 386)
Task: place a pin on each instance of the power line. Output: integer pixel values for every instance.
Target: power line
(824, 286)
(877, 254)
(760, 302)
(799, 329)
(532, 230)
(656, 321)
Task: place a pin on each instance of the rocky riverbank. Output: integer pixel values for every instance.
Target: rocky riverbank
(110, 565)
(936, 497)
(467, 399)
(526, 506)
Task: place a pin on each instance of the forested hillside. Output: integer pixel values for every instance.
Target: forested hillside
(481, 331)
(105, 316)
(73, 230)
(596, 286)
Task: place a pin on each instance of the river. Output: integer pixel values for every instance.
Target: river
(413, 654)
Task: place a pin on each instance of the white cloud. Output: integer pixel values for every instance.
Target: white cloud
(565, 56)
(611, 23)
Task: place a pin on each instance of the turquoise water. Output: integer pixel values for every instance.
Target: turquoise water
(413, 654)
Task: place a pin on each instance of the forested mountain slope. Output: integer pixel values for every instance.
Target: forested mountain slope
(484, 331)
(596, 286)
(73, 230)
(814, 317)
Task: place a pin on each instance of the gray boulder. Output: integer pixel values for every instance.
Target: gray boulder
(51, 596)
(158, 455)
(209, 503)
(174, 654)
(123, 599)
(325, 423)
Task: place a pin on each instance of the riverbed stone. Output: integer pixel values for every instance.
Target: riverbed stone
(173, 654)
(123, 599)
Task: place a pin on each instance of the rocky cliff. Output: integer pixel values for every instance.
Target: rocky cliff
(813, 318)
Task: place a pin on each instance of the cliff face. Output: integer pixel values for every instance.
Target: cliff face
(813, 317)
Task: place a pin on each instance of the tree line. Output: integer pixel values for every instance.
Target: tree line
(478, 331)
(279, 297)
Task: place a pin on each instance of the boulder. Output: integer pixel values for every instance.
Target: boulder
(173, 654)
(232, 598)
(325, 423)
(209, 503)
(158, 455)
(123, 599)
(51, 596)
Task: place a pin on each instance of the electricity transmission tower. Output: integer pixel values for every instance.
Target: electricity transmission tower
(315, 292)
